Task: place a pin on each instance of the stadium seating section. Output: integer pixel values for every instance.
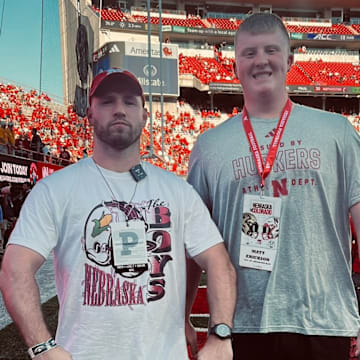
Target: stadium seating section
(302, 73)
(27, 110)
(180, 132)
(189, 22)
(356, 27)
(113, 15)
(337, 29)
(60, 126)
(226, 24)
(208, 69)
(326, 73)
(219, 69)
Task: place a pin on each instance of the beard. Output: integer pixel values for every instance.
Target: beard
(118, 139)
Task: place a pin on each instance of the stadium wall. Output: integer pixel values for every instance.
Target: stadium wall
(97, 38)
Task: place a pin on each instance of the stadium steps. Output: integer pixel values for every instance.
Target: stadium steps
(206, 23)
(304, 72)
(130, 18)
(350, 28)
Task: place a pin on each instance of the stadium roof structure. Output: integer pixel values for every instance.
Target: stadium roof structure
(304, 4)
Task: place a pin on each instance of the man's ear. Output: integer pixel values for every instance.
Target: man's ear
(145, 116)
(89, 115)
(234, 68)
(290, 61)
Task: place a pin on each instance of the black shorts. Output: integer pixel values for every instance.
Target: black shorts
(289, 346)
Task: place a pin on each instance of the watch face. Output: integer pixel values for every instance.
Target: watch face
(223, 330)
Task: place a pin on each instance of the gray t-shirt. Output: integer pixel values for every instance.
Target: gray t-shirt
(317, 176)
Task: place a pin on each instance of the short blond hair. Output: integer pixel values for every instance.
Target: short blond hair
(261, 23)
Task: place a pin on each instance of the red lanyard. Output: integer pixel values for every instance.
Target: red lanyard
(264, 171)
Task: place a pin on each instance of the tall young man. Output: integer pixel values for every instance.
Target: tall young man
(279, 180)
(120, 230)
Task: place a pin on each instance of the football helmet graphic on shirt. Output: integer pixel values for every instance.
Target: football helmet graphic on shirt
(97, 231)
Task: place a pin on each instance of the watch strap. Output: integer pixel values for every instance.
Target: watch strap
(41, 348)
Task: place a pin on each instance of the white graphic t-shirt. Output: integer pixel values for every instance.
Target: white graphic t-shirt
(108, 311)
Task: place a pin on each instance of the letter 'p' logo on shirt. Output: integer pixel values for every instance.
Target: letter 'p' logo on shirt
(129, 244)
(129, 240)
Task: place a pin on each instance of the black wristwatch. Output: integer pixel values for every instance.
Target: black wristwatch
(222, 331)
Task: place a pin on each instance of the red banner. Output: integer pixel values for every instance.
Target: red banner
(46, 169)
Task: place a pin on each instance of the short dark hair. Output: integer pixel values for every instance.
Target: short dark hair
(260, 23)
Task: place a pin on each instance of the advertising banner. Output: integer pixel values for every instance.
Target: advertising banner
(46, 169)
(333, 37)
(331, 89)
(15, 170)
(164, 72)
(210, 32)
(123, 25)
(355, 90)
(300, 88)
(297, 36)
(225, 87)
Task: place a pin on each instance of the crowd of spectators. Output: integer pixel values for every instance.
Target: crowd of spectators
(180, 131)
(355, 121)
(30, 127)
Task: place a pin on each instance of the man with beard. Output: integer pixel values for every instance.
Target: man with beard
(120, 230)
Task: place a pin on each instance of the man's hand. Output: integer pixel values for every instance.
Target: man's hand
(57, 353)
(191, 339)
(216, 349)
